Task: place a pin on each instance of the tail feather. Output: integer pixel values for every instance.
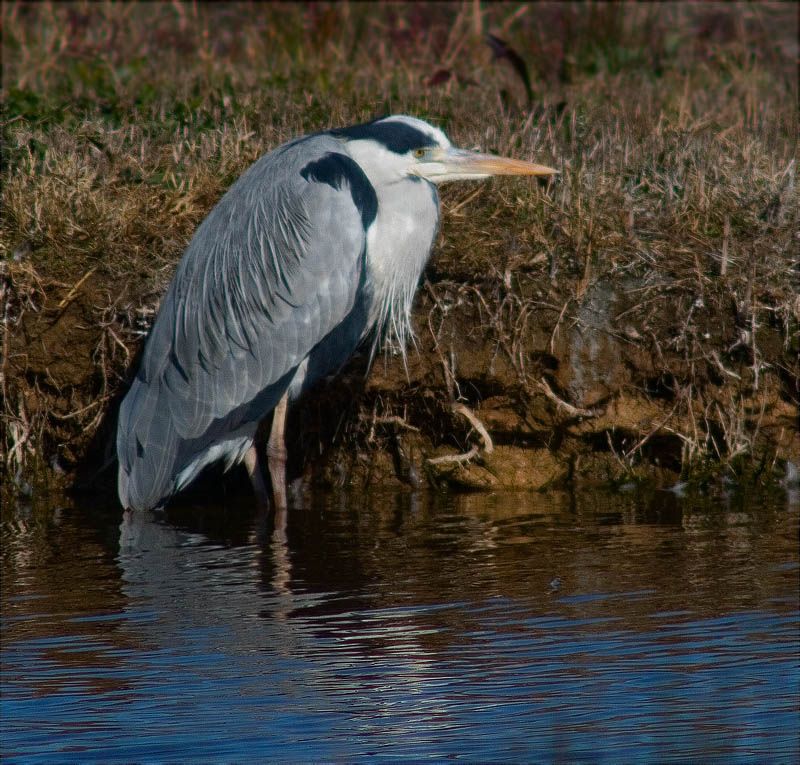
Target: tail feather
(146, 447)
(154, 461)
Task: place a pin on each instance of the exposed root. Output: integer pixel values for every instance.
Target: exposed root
(573, 411)
(397, 422)
(459, 459)
(465, 411)
(474, 451)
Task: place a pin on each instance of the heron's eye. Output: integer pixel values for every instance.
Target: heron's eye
(419, 153)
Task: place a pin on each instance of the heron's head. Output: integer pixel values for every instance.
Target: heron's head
(397, 147)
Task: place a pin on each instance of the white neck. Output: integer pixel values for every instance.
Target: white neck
(399, 242)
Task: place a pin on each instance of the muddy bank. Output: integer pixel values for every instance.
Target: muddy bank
(513, 382)
(506, 389)
(636, 318)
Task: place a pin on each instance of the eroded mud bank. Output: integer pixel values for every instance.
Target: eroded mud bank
(513, 382)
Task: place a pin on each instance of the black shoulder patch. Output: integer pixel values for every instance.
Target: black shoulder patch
(338, 169)
(395, 136)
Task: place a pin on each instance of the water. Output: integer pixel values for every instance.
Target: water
(585, 627)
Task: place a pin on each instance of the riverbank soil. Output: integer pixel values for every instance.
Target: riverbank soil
(634, 319)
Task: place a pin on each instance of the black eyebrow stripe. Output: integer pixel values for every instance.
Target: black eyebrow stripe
(394, 135)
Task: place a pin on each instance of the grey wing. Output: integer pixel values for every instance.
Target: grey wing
(272, 272)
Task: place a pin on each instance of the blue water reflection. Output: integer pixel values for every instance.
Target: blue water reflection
(406, 627)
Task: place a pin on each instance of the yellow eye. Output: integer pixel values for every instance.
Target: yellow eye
(419, 153)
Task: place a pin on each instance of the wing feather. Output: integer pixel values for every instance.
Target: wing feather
(271, 272)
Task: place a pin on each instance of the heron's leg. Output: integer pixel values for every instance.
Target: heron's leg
(276, 453)
(251, 462)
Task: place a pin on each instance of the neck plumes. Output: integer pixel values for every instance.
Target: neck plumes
(398, 245)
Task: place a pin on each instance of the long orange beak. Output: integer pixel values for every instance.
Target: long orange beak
(458, 164)
(491, 164)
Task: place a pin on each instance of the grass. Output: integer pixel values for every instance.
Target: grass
(674, 126)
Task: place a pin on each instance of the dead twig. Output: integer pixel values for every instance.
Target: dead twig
(70, 296)
(642, 441)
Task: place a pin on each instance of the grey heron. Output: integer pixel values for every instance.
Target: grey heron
(317, 246)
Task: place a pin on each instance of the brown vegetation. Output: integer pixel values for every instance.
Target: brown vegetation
(639, 317)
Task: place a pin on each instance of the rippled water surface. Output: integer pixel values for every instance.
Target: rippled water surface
(513, 627)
